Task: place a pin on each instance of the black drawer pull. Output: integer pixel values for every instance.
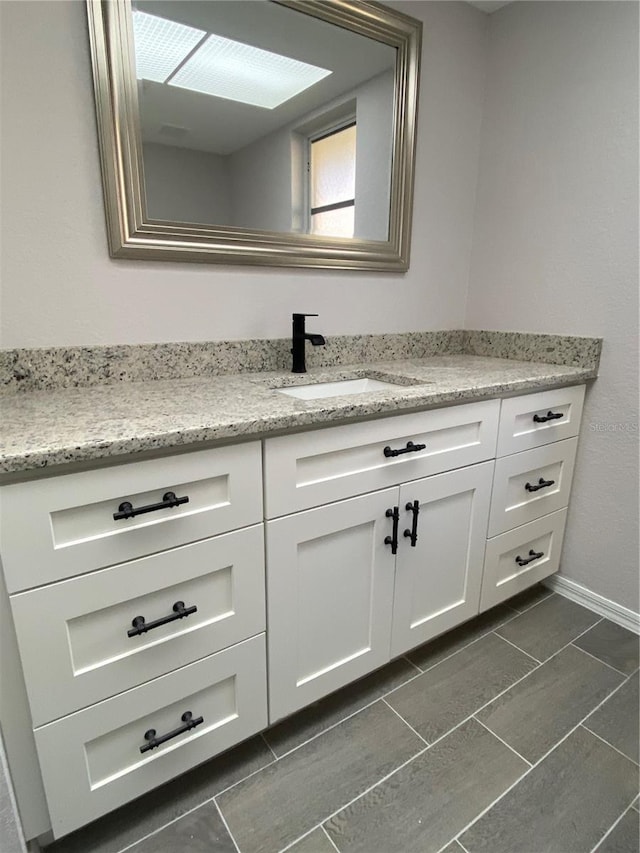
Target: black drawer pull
(541, 484)
(153, 741)
(413, 533)
(126, 509)
(393, 539)
(524, 561)
(550, 416)
(179, 612)
(410, 448)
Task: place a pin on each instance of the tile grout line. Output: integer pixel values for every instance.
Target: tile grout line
(604, 740)
(244, 778)
(612, 827)
(419, 672)
(461, 649)
(331, 841)
(595, 657)
(391, 708)
(515, 751)
(411, 663)
(344, 719)
(562, 648)
(397, 687)
(536, 603)
(188, 812)
(408, 761)
(333, 725)
(268, 745)
(383, 697)
(226, 826)
(538, 662)
(540, 760)
(353, 799)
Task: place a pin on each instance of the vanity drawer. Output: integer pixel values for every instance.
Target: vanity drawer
(531, 484)
(64, 526)
(516, 560)
(537, 419)
(319, 467)
(73, 635)
(91, 761)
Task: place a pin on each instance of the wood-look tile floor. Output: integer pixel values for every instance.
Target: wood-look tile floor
(515, 733)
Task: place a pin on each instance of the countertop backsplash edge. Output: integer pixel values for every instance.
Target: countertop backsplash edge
(55, 368)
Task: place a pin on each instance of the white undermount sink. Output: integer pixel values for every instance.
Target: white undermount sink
(336, 389)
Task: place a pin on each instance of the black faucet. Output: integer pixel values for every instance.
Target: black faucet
(298, 339)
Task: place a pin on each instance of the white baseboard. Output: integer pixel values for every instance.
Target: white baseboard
(598, 603)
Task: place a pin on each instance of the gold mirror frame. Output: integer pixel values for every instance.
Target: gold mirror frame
(133, 235)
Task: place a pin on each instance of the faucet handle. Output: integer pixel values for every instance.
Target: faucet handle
(305, 315)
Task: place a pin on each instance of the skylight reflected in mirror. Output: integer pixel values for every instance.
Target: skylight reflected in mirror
(161, 45)
(188, 58)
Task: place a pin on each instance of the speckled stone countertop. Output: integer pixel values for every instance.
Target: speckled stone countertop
(48, 429)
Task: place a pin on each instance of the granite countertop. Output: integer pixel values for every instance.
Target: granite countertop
(43, 429)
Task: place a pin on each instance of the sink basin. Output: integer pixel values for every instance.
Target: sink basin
(336, 389)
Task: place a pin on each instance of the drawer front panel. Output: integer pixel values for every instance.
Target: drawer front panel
(315, 468)
(516, 560)
(83, 623)
(91, 761)
(64, 526)
(531, 484)
(537, 419)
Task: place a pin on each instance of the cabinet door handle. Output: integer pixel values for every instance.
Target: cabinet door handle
(524, 561)
(179, 612)
(541, 484)
(393, 539)
(550, 416)
(153, 741)
(410, 448)
(413, 533)
(127, 510)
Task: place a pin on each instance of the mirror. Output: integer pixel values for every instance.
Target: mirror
(277, 132)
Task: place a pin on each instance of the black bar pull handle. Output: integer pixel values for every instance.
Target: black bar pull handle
(550, 416)
(413, 533)
(179, 612)
(153, 741)
(126, 510)
(524, 561)
(393, 539)
(541, 484)
(410, 448)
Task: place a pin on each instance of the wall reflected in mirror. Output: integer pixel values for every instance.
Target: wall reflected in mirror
(256, 116)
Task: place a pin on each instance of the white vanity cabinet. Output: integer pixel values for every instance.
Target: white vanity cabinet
(138, 590)
(141, 633)
(356, 582)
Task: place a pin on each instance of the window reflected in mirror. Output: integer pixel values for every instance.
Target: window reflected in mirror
(332, 171)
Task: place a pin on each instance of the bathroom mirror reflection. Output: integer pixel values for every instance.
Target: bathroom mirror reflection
(257, 131)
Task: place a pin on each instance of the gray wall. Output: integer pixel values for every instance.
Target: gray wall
(186, 186)
(556, 242)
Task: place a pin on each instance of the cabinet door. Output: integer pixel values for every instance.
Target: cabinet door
(329, 598)
(438, 580)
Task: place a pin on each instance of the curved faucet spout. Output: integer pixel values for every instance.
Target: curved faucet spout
(300, 335)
